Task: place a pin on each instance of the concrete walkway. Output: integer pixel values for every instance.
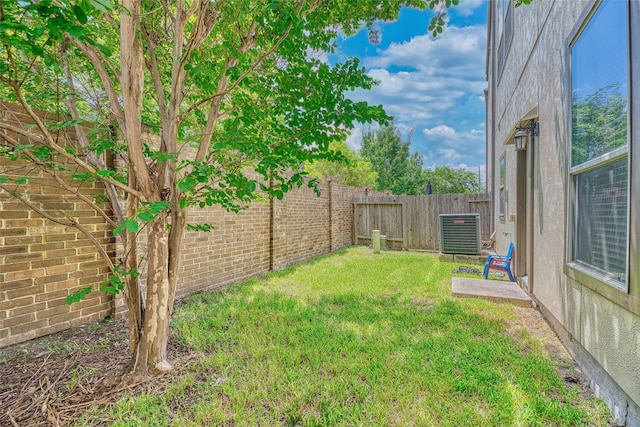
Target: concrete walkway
(493, 290)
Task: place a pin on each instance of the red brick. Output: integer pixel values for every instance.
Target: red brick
(23, 257)
(95, 309)
(58, 253)
(78, 243)
(47, 247)
(83, 273)
(13, 250)
(18, 320)
(17, 284)
(15, 267)
(51, 279)
(35, 222)
(25, 274)
(6, 214)
(22, 240)
(62, 268)
(18, 302)
(64, 317)
(54, 311)
(92, 264)
(33, 308)
(85, 281)
(20, 329)
(13, 231)
(63, 237)
(49, 296)
(27, 290)
(82, 258)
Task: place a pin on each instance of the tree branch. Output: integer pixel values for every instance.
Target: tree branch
(48, 141)
(225, 87)
(112, 95)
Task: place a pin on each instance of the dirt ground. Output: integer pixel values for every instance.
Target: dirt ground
(52, 380)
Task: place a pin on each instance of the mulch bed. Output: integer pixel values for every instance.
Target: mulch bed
(51, 381)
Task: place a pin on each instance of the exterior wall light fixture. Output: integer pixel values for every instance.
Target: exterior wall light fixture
(524, 133)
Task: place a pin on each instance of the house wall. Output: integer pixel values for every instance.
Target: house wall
(41, 262)
(598, 323)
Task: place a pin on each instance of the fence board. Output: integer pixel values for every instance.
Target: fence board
(411, 222)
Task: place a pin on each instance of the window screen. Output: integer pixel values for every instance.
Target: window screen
(600, 218)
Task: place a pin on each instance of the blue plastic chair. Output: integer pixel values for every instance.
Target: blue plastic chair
(500, 262)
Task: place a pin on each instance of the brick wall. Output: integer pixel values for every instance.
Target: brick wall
(237, 248)
(341, 213)
(42, 262)
(300, 226)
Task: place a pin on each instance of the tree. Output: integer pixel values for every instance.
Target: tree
(447, 180)
(398, 169)
(352, 170)
(225, 86)
(599, 123)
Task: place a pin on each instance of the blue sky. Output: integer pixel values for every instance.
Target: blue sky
(433, 86)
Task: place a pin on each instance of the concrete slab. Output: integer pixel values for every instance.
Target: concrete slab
(465, 259)
(493, 290)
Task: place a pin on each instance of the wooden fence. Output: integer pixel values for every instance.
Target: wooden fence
(411, 222)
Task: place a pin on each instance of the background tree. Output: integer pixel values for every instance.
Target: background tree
(599, 123)
(351, 170)
(448, 180)
(227, 87)
(399, 170)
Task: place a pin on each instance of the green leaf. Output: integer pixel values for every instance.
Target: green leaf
(157, 207)
(82, 17)
(76, 32)
(78, 295)
(105, 50)
(130, 224)
(187, 184)
(146, 216)
(103, 6)
(61, 125)
(81, 176)
(201, 227)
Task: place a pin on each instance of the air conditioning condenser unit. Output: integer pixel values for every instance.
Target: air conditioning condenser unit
(460, 234)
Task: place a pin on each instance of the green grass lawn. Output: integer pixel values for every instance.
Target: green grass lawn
(357, 339)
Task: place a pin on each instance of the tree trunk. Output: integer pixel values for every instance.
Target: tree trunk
(151, 321)
(150, 354)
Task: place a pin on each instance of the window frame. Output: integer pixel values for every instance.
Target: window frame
(502, 193)
(505, 9)
(590, 275)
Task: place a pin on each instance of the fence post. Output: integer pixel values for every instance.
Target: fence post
(375, 241)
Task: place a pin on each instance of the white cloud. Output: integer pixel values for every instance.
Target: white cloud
(434, 86)
(354, 141)
(467, 7)
(421, 81)
(444, 145)
(457, 53)
(450, 137)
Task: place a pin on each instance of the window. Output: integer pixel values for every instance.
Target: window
(599, 172)
(505, 31)
(503, 198)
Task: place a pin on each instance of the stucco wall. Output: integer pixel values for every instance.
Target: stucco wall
(534, 85)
